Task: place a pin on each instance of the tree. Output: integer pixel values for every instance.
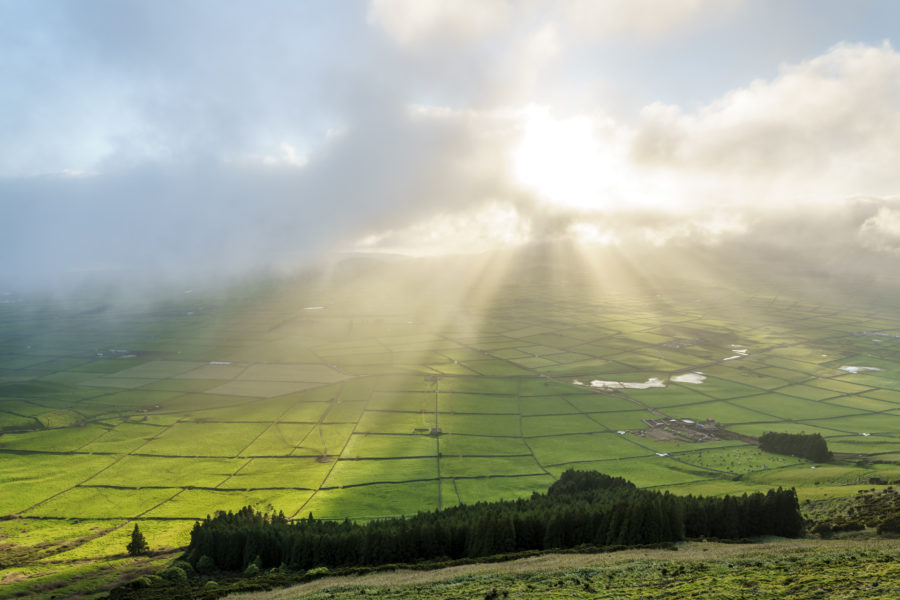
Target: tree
(137, 545)
(810, 446)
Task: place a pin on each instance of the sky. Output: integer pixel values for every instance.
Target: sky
(198, 139)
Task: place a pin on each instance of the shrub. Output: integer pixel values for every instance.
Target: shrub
(175, 574)
(849, 526)
(184, 566)
(206, 565)
(251, 570)
(890, 525)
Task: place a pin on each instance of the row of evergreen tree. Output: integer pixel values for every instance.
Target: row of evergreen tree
(811, 446)
(583, 507)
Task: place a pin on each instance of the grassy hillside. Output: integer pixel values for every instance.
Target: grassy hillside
(796, 569)
(385, 388)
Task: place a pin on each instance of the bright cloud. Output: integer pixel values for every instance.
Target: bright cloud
(647, 18)
(882, 231)
(832, 119)
(820, 132)
(485, 228)
(410, 21)
(415, 21)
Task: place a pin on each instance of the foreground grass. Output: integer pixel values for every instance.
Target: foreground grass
(83, 579)
(776, 569)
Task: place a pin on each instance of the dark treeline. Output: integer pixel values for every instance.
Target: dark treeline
(811, 446)
(581, 508)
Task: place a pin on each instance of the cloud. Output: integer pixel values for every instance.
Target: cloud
(782, 160)
(211, 140)
(882, 231)
(479, 229)
(428, 21)
(177, 220)
(831, 119)
(411, 21)
(643, 18)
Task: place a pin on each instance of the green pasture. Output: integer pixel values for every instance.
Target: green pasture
(623, 420)
(595, 403)
(547, 405)
(402, 401)
(496, 488)
(294, 472)
(352, 472)
(456, 444)
(560, 449)
(390, 403)
(345, 411)
(486, 424)
(757, 429)
(371, 445)
(28, 479)
(886, 395)
(725, 412)
(204, 439)
(741, 459)
(559, 424)
(101, 503)
(475, 403)
(672, 395)
(63, 439)
(884, 423)
(489, 466)
(166, 534)
(193, 504)
(793, 409)
(579, 368)
(372, 501)
(876, 445)
(674, 446)
(395, 422)
(863, 403)
(279, 439)
(160, 471)
(326, 439)
(653, 471)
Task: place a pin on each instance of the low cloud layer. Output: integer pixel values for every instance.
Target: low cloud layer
(176, 143)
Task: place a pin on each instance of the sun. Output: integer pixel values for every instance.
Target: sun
(562, 161)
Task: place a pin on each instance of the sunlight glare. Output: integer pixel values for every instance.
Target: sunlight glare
(561, 160)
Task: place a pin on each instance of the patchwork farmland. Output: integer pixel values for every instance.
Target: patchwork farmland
(341, 401)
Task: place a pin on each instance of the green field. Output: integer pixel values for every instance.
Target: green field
(401, 396)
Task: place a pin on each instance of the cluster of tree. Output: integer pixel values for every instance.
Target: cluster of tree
(582, 508)
(811, 446)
